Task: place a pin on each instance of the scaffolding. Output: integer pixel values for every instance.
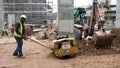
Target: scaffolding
(37, 11)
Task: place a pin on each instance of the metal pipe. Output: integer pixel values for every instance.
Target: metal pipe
(39, 43)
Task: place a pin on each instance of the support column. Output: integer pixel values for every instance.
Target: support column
(11, 20)
(117, 24)
(1, 16)
(65, 17)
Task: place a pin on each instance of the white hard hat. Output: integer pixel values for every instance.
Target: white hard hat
(23, 16)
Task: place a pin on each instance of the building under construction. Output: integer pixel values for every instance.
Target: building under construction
(36, 10)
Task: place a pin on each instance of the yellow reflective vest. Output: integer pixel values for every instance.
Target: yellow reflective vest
(5, 28)
(20, 30)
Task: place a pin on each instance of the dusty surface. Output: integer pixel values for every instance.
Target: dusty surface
(37, 56)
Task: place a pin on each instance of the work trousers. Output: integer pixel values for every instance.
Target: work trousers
(19, 46)
(4, 32)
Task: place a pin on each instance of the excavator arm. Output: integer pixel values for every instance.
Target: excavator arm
(94, 17)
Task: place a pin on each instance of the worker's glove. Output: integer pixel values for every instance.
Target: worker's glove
(24, 37)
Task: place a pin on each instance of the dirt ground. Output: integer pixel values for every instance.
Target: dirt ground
(36, 56)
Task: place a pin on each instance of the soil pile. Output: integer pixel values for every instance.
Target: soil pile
(90, 50)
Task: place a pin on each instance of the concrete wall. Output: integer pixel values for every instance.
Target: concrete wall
(1, 16)
(117, 24)
(65, 16)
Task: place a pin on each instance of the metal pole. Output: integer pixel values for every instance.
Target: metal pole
(40, 43)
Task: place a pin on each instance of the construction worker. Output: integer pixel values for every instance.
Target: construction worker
(5, 29)
(19, 34)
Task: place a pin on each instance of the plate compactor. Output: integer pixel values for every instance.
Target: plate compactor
(65, 47)
(62, 47)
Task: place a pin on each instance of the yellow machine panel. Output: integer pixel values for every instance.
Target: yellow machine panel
(65, 47)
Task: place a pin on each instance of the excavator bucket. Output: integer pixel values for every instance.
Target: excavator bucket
(103, 39)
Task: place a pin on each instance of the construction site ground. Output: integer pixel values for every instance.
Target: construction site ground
(36, 56)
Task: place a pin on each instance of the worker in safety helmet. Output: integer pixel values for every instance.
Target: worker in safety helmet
(5, 29)
(19, 34)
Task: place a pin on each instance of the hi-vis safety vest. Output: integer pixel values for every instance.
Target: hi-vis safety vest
(5, 28)
(20, 30)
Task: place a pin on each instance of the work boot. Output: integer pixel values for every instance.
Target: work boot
(15, 54)
(20, 56)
